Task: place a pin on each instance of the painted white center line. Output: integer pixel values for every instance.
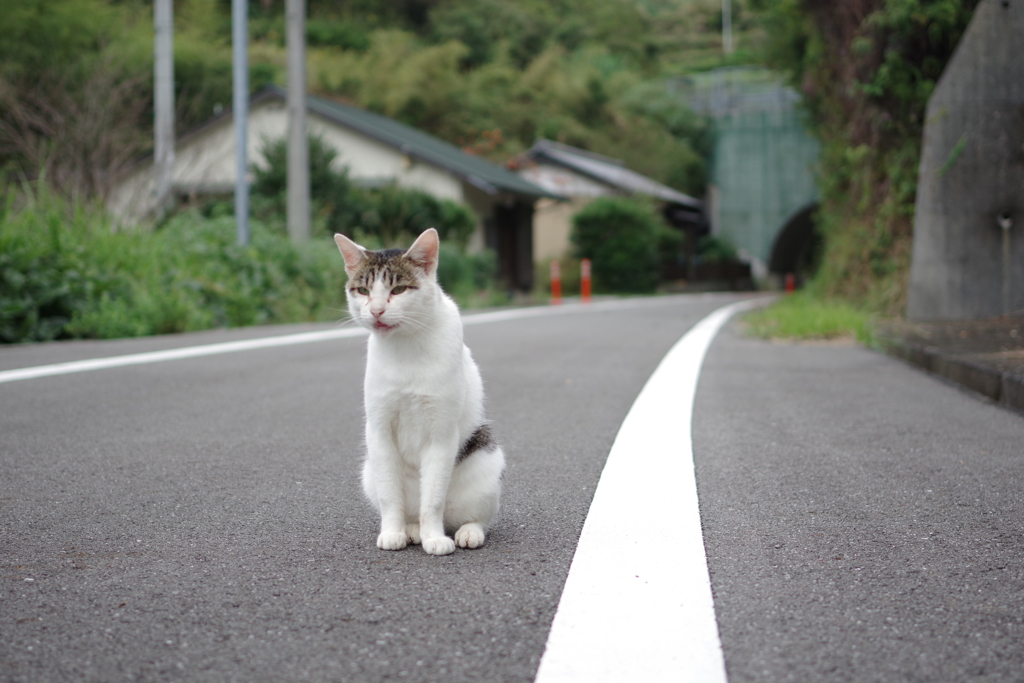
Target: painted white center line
(304, 338)
(637, 605)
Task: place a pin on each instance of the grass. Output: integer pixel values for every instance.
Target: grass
(805, 316)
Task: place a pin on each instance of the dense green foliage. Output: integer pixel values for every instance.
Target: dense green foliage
(488, 75)
(625, 239)
(866, 71)
(65, 272)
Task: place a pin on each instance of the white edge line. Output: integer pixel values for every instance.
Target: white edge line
(175, 354)
(637, 603)
(301, 338)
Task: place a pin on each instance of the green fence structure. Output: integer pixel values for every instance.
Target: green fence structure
(762, 193)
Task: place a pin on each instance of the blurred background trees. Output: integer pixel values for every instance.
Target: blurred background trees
(490, 76)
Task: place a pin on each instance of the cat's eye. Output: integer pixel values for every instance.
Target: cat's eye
(399, 289)
(363, 290)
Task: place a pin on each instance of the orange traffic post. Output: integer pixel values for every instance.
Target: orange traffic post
(556, 282)
(790, 283)
(585, 280)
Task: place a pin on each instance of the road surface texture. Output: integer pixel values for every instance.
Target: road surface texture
(202, 519)
(863, 521)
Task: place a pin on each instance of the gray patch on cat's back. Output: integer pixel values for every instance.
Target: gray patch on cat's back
(387, 265)
(480, 440)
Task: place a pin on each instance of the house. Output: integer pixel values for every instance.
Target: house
(581, 176)
(377, 150)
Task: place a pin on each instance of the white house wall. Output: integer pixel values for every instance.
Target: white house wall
(552, 220)
(205, 162)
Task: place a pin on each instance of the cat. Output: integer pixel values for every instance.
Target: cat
(432, 464)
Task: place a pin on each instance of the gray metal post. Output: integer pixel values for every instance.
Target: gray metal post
(240, 50)
(727, 26)
(163, 102)
(1005, 223)
(298, 142)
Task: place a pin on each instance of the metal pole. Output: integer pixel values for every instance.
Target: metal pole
(163, 102)
(298, 142)
(1006, 222)
(240, 50)
(727, 26)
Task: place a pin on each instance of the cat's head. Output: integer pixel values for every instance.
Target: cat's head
(390, 290)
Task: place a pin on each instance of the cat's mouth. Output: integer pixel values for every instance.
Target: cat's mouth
(379, 326)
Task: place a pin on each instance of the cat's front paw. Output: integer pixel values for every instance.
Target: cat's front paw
(438, 545)
(392, 540)
(469, 536)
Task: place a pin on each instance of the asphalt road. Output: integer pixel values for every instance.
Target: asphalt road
(201, 520)
(863, 521)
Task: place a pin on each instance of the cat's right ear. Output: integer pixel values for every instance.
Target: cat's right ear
(353, 254)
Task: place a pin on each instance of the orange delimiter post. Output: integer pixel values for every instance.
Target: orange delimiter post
(556, 282)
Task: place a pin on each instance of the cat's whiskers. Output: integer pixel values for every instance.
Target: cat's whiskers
(347, 321)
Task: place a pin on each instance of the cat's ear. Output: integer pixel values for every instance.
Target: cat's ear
(424, 251)
(353, 254)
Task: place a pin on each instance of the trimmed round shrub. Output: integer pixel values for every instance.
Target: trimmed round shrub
(621, 237)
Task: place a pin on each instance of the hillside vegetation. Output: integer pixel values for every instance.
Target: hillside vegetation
(488, 75)
(866, 69)
(491, 76)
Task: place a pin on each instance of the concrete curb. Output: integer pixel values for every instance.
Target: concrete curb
(1004, 388)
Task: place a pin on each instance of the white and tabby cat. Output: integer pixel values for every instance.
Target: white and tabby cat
(432, 465)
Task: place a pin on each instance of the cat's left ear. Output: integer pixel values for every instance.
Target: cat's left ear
(424, 251)
(353, 254)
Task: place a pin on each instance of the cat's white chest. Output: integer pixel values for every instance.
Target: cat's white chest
(415, 403)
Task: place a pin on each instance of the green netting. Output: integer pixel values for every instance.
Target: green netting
(763, 169)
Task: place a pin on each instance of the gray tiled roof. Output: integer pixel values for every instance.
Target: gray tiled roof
(607, 170)
(480, 173)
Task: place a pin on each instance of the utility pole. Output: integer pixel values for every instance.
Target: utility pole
(240, 59)
(727, 26)
(298, 141)
(163, 102)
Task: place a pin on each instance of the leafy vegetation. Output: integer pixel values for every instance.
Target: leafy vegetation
(625, 239)
(488, 75)
(866, 72)
(66, 273)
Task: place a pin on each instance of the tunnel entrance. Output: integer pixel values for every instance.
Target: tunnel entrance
(798, 246)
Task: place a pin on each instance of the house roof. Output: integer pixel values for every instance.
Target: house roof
(607, 170)
(416, 144)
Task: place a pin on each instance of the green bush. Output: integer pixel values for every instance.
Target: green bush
(65, 273)
(336, 204)
(625, 240)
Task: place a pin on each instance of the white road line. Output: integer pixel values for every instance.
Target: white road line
(174, 354)
(637, 605)
(302, 338)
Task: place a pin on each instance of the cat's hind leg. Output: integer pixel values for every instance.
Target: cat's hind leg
(470, 535)
(473, 496)
(412, 530)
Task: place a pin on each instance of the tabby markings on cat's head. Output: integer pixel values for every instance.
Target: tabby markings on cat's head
(383, 285)
(383, 276)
